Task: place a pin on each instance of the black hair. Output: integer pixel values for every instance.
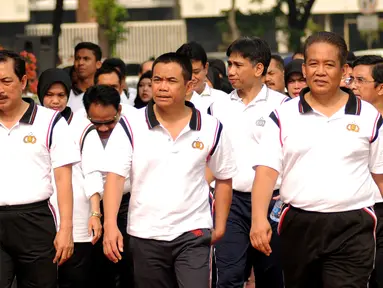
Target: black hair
(18, 62)
(103, 95)
(254, 49)
(219, 65)
(213, 76)
(194, 52)
(280, 62)
(89, 46)
(350, 57)
(299, 51)
(107, 70)
(367, 60)
(141, 69)
(115, 63)
(329, 38)
(377, 73)
(181, 60)
(138, 103)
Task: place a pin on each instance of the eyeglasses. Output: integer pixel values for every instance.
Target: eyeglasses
(108, 122)
(357, 80)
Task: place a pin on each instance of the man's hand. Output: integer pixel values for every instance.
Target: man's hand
(64, 245)
(216, 236)
(95, 228)
(260, 236)
(113, 242)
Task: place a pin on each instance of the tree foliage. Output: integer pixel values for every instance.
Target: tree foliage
(295, 21)
(251, 24)
(110, 17)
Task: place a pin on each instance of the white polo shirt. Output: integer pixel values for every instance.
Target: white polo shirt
(209, 95)
(86, 178)
(126, 110)
(245, 125)
(75, 99)
(39, 142)
(170, 195)
(129, 99)
(325, 161)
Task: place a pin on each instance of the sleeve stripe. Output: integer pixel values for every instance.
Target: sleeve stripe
(285, 100)
(56, 117)
(209, 111)
(128, 129)
(375, 132)
(274, 118)
(86, 131)
(217, 137)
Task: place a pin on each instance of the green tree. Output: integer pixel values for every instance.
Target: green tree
(295, 21)
(110, 17)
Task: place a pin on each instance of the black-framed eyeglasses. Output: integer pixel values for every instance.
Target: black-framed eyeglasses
(108, 122)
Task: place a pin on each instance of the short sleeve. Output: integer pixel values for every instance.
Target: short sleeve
(222, 160)
(118, 152)
(269, 151)
(63, 149)
(376, 149)
(92, 159)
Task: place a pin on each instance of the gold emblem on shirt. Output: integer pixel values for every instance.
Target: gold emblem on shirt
(30, 139)
(198, 145)
(353, 127)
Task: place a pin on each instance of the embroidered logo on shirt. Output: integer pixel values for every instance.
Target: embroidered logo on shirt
(353, 127)
(260, 122)
(30, 139)
(198, 145)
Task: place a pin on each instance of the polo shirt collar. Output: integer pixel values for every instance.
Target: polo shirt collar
(76, 91)
(67, 113)
(29, 115)
(206, 91)
(353, 105)
(151, 119)
(263, 95)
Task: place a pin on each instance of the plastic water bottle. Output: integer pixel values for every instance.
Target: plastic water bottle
(276, 212)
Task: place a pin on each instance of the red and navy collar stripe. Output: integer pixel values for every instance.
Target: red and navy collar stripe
(29, 115)
(151, 119)
(353, 105)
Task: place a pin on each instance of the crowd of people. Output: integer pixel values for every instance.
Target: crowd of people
(198, 177)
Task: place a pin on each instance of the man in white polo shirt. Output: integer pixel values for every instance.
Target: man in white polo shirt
(244, 116)
(87, 59)
(34, 141)
(367, 83)
(103, 109)
(203, 95)
(165, 149)
(326, 144)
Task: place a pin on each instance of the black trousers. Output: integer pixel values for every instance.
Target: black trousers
(235, 256)
(330, 250)
(107, 274)
(27, 233)
(181, 263)
(76, 272)
(376, 280)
